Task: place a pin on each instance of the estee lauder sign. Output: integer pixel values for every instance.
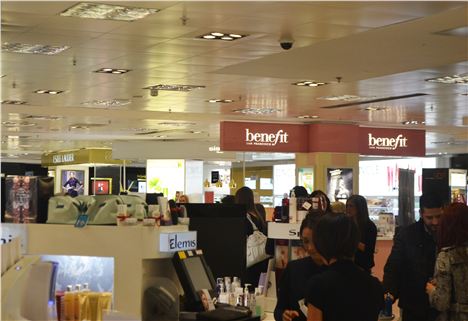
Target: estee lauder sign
(309, 138)
(240, 136)
(392, 142)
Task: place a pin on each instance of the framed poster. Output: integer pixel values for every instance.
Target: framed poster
(101, 186)
(72, 181)
(339, 184)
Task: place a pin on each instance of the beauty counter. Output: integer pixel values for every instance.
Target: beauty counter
(128, 245)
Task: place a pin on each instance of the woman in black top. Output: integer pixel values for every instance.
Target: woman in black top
(291, 287)
(245, 196)
(343, 292)
(356, 208)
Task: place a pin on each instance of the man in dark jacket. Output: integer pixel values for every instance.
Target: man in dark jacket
(412, 260)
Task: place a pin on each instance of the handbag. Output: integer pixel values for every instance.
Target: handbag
(256, 243)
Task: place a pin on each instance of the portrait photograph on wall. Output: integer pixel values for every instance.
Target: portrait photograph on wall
(339, 184)
(72, 182)
(101, 186)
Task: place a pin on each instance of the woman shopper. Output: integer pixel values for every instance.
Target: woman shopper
(245, 196)
(343, 292)
(356, 208)
(291, 286)
(448, 291)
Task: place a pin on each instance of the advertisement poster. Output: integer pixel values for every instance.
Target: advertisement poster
(72, 182)
(102, 186)
(339, 184)
(305, 178)
(21, 199)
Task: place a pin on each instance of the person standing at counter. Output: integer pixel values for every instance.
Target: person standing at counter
(245, 196)
(411, 262)
(343, 292)
(356, 208)
(291, 286)
(448, 291)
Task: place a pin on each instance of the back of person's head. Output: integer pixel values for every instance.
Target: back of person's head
(338, 207)
(453, 226)
(309, 221)
(321, 194)
(228, 199)
(299, 191)
(245, 196)
(336, 237)
(430, 200)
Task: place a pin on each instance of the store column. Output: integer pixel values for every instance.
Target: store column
(327, 167)
(333, 158)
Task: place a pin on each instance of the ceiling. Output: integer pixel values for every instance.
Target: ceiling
(379, 51)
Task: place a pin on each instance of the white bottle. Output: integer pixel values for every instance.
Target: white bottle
(293, 208)
(85, 287)
(236, 283)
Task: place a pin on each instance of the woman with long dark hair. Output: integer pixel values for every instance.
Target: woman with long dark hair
(448, 291)
(245, 196)
(356, 208)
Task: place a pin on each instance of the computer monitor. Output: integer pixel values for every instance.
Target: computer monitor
(152, 198)
(194, 275)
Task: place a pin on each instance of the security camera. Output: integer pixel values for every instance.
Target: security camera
(154, 92)
(286, 45)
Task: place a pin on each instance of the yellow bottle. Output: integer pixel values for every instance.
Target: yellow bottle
(69, 305)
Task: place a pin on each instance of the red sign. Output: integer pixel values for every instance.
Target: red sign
(332, 138)
(392, 142)
(260, 137)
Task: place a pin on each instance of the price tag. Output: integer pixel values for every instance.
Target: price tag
(82, 221)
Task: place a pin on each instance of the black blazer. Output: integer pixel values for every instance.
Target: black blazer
(408, 268)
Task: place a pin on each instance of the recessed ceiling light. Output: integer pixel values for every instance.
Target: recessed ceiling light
(161, 136)
(86, 126)
(107, 103)
(455, 79)
(32, 49)
(42, 117)
(47, 91)
(176, 124)
(174, 87)
(222, 36)
(18, 124)
(224, 101)
(413, 122)
(107, 11)
(308, 117)
(112, 71)
(14, 102)
(256, 111)
(195, 132)
(308, 83)
(375, 108)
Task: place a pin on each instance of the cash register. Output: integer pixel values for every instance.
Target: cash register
(195, 275)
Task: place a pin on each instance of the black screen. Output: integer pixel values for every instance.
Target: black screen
(197, 273)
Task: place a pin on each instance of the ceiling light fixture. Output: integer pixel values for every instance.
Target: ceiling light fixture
(18, 124)
(107, 11)
(413, 122)
(174, 87)
(14, 102)
(256, 111)
(345, 98)
(375, 108)
(107, 103)
(455, 79)
(308, 117)
(224, 101)
(309, 83)
(42, 117)
(112, 71)
(33, 49)
(222, 36)
(48, 91)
